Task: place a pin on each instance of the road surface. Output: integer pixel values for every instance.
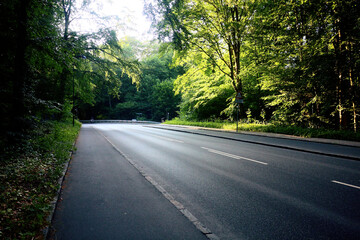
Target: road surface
(248, 189)
(104, 197)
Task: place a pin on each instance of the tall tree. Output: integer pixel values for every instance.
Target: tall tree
(28, 28)
(345, 21)
(205, 91)
(310, 61)
(44, 61)
(216, 28)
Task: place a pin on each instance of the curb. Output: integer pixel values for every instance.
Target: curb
(261, 143)
(274, 135)
(54, 202)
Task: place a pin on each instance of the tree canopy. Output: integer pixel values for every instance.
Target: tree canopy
(44, 64)
(295, 62)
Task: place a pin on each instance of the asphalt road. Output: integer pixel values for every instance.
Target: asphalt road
(244, 190)
(104, 197)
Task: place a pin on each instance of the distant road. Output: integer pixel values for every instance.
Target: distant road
(244, 190)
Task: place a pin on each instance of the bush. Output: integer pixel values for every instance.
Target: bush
(29, 175)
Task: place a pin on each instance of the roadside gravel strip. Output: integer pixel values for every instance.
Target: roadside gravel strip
(269, 140)
(203, 229)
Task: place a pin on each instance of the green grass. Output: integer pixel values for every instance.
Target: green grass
(273, 128)
(29, 176)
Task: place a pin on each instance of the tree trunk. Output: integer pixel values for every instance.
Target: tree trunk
(352, 88)
(338, 46)
(66, 5)
(18, 94)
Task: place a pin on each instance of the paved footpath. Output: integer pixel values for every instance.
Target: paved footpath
(105, 197)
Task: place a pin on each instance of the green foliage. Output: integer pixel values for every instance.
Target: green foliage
(204, 90)
(208, 124)
(29, 175)
(127, 110)
(164, 101)
(295, 62)
(150, 97)
(306, 73)
(217, 29)
(48, 71)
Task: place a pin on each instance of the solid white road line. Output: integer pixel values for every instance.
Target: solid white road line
(345, 184)
(232, 155)
(201, 227)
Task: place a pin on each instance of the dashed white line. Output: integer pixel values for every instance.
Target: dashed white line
(346, 184)
(167, 139)
(233, 156)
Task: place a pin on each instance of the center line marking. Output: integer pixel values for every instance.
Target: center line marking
(233, 156)
(167, 139)
(345, 184)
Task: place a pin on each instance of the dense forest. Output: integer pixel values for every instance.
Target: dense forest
(282, 65)
(150, 98)
(293, 62)
(49, 72)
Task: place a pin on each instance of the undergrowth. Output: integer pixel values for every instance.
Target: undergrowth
(28, 176)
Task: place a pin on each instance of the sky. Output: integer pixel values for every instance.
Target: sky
(124, 16)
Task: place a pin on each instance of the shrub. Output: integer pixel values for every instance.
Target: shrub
(28, 177)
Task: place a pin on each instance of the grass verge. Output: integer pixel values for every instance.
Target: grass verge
(29, 176)
(274, 128)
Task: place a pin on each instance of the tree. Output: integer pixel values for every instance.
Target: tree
(163, 100)
(309, 64)
(205, 91)
(157, 82)
(345, 21)
(216, 28)
(29, 32)
(43, 61)
(150, 97)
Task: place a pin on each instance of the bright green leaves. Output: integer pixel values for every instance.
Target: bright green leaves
(204, 89)
(297, 61)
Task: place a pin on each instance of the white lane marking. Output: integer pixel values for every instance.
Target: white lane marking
(345, 184)
(167, 139)
(201, 227)
(233, 156)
